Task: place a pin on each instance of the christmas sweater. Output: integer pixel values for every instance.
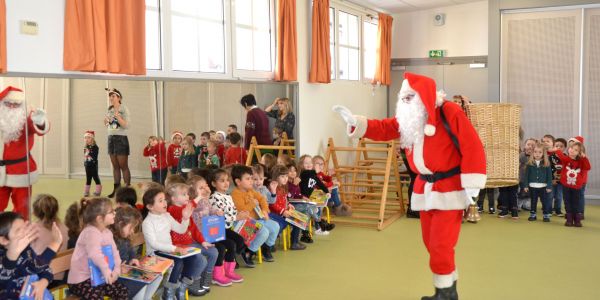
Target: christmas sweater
(235, 155)
(281, 202)
(90, 155)
(211, 159)
(572, 175)
(555, 165)
(157, 155)
(13, 273)
(308, 181)
(225, 203)
(173, 154)
(191, 234)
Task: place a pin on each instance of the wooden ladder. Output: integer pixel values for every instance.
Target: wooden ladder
(372, 185)
(255, 150)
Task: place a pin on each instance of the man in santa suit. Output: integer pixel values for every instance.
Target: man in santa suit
(18, 170)
(449, 172)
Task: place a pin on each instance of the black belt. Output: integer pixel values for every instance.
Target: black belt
(440, 175)
(9, 162)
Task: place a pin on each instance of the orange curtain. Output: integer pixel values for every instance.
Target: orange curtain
(320, 58)
(384, 50)
(2, 36)
(287, 57)
(105, 36)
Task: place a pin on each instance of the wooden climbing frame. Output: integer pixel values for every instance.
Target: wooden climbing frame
(255, 150)
(371, 185)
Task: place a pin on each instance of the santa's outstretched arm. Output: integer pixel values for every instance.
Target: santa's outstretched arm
(359, 126)
(39, 121)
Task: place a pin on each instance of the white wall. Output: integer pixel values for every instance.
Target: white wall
(464, 34)
(316, 120)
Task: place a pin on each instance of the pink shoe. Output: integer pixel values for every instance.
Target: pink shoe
(98, 190)
(230, 272)
(86, 191)
(219, 277)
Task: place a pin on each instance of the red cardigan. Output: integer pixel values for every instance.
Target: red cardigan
(157, 155)
(191, 235)
(235, 155)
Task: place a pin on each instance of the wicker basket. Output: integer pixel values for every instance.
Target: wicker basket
(498, 127)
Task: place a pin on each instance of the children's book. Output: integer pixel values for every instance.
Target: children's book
(186, 251)
(297, 219)
(213, 228)
(137, 274)
(96, 276)
(27, 289)
(156, 264)
(319, 198)
(259, 212)
(247, 229)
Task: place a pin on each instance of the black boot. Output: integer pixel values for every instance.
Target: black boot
(449, 293)
(306, 237)
(196, 288)
(266, 253)
(116, 187)
(326, 226)
(247, 258)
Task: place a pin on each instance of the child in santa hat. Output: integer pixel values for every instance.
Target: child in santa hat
(90, 162)
(174, 151)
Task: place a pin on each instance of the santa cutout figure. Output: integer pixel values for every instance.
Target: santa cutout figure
(449, 158)
(18, 170)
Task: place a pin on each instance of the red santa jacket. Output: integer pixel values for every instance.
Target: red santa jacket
(191, 235)
(15, 175)
(157, 156)
(574, 171)
(173, 154)
(437, 153)
(280, 204)
(235, 155)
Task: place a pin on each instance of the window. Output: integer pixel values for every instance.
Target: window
(253, 40)
(332, 40)
(349, 50)
(198, 36)
(153, 53)
(369, 48)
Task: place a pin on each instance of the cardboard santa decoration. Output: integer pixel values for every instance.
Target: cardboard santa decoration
(18, 170)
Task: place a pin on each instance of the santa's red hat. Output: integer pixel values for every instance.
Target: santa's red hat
(425, 87)
(176, 133)
(12, 93)
(89, 133)
(576, 139)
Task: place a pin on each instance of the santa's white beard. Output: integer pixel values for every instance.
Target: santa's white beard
(411, 117)
(12, 121)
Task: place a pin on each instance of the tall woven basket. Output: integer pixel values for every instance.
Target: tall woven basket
(498, 127)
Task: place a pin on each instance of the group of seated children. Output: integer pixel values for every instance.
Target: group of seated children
(553, 171)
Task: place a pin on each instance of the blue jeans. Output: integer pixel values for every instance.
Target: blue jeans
(211, 254)
(541, 193)
(557, 195)
(582, 199)
(190, 267)
(270, 230)
(335, 197)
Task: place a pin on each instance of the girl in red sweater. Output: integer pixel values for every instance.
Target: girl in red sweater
(177, 195)
(574, 165)
(174, 151)
(157, 153)
(280, 209)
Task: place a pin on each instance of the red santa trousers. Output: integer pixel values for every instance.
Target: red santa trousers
(440, 230)
(20, 199)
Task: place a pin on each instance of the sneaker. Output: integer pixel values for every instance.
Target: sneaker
(546, 219)
(514, 215)
(306, 239)
(273, 249)
(532, 218)
(559, 214)
(298, 246)
(492, 211)
(321, 232)
(480, 209)
(247, 258)
(266, 253)
(503, 214)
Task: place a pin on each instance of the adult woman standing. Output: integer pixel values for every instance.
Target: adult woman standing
(117, 122)
(283, 115)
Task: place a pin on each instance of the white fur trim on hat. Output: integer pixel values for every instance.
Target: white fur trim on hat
(439, 99)
(359, 130)
(429, 130)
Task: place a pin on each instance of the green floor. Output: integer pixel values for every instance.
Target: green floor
(497, 259)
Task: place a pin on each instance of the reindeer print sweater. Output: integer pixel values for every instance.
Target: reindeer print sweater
(572, 170)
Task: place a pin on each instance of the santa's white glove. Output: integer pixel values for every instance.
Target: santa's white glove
(38, 116)
(346, 114)
(472, 192)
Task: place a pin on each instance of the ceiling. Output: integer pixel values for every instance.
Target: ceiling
(399, 6)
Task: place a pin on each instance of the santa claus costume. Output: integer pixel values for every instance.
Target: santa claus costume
(18, 170)
(448, 156)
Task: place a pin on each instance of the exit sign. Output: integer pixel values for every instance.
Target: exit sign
(437, 53)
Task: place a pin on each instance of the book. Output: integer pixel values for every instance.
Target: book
(247, 229)
(298, 219)
(156, 264)
(259, 212)
(319, 198)
(96, 276)
(138, 274)
(27, 289)
(186, 251)
(213, 228)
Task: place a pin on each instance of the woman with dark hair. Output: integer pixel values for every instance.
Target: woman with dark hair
(281, 111)
(257, 124)
(117, 123)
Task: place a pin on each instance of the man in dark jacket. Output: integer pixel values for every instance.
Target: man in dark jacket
(257, 124)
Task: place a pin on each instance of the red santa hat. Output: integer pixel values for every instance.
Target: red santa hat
(176, 133)
(425, 87)
(576, 139)
(89, 133)
(12, 93)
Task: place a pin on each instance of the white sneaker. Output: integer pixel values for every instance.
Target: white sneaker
(321, 232)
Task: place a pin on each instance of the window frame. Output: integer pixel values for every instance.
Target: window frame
(375, 21)
(160, 35)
